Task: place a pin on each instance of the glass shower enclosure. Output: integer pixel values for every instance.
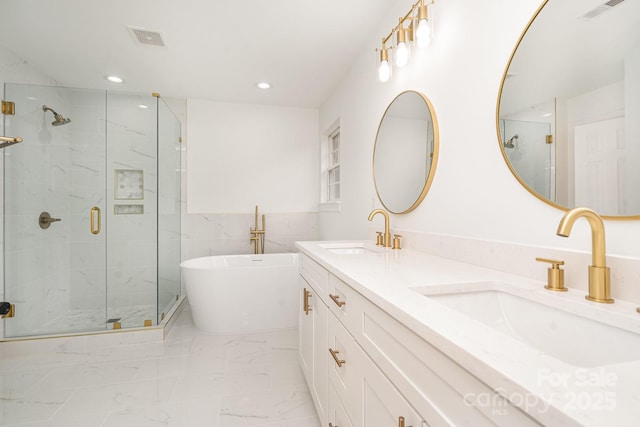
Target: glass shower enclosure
(91, 210)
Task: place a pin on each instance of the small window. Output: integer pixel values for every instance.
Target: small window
(333, 167)
(330, 169)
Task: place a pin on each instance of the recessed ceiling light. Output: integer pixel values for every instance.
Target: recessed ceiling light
(115, 79)
(263, 85)
(143, 107)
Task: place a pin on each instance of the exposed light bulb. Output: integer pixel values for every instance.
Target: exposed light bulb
(402, 54)
(384, 71)
(384, 68)
(423, 33)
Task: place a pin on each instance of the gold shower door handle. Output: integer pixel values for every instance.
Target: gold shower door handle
(95, 216)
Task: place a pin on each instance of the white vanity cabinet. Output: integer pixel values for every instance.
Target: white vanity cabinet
(312, 342)
(366, 397)
(379, 370)
(313, 347)
(347, 388)
(337, 414)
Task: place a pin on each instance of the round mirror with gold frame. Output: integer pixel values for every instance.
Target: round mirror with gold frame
(405, 152)
(568, 115)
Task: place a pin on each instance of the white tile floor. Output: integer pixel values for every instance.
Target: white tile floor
(190, 379)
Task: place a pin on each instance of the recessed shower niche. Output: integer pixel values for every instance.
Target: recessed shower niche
(100, 261)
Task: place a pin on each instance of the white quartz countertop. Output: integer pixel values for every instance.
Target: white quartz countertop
(550, 390)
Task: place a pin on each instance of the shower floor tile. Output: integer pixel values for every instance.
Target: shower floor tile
(191, 379)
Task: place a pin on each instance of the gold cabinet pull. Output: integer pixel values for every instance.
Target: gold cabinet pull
(305, 302)
(339, 362)
(401, 422)
(95, 216)
(336, 299)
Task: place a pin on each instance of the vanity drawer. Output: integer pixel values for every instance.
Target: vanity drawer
(345, 303)
(337, 414)
(442, 391)
(315, 274)
(344, 357)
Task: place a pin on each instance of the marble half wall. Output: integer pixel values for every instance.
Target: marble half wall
(228, 234)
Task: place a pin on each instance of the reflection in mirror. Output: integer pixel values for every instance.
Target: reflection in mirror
(569, 111)
(405, 153)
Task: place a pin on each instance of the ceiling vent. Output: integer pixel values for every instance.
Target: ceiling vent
(147, 37)
(599, 10)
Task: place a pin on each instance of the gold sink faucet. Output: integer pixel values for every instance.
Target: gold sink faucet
(599, 273)
(386, 236)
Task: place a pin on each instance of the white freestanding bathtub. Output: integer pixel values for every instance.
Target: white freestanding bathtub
(242, 293)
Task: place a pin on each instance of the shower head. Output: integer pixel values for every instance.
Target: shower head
(509, 143)
(59, 120)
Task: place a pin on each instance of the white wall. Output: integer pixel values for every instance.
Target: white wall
(242, 155)
(473, 194)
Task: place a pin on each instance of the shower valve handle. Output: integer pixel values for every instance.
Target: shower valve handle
(45, 220)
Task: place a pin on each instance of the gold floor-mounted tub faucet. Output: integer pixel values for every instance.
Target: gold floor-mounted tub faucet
(257, 235)
(599, 273)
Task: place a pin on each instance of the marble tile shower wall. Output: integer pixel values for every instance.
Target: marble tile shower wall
(132, 248)
(63, 170)
(87, 189)
(13, 69)
(37, 261)
(228, 234)
(169, 206)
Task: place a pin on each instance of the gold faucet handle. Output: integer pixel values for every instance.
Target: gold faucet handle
(379, 241)
(555, 275)
(396, 241)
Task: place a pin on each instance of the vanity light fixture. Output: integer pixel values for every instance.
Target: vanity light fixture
(384, 68)
(402, 50)
(419, 28)
(423, 32)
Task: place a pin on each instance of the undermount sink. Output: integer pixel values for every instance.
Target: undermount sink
(345, 248)
(559, 327)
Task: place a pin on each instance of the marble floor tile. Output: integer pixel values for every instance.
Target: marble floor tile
(190, 379)
(270, 407)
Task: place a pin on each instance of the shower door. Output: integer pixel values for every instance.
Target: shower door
(55, 271)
